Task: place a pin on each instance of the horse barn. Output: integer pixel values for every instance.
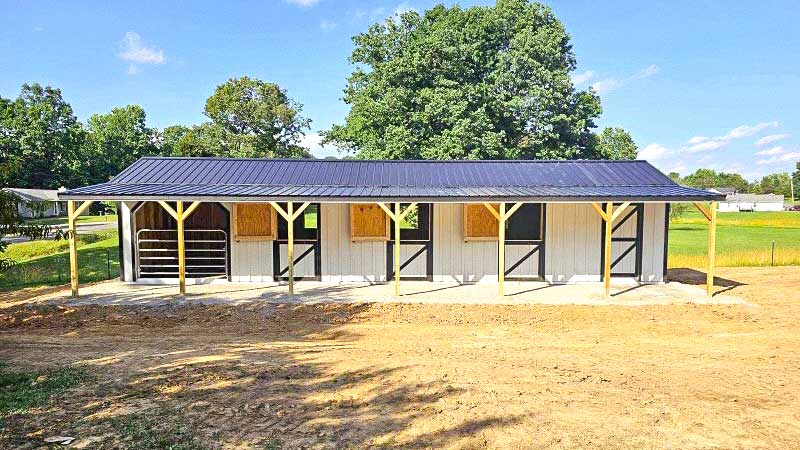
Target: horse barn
(199, 220)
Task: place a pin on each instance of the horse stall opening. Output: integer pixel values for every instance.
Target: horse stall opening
(206, 234)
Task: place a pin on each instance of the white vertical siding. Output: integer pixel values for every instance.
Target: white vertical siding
(455, 260)
(250, 261)
(572, 243)
(653, 242)
(342, 259)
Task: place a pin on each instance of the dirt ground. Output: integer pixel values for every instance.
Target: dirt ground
(418, 376)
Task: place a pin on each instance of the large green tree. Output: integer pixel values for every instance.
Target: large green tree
(615, 143)
(776, 183)
(796, 180)
(255, 118)
(40, 138)
(116, 140)
(477, 83)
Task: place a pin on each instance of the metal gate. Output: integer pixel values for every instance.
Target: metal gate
(626, 243)
(157, 253)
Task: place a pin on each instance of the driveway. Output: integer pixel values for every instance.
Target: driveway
(90, 227)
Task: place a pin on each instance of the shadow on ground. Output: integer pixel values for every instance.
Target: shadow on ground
(234, 377)
(696, 277)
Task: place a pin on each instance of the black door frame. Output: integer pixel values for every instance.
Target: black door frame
(427, 248)
(316, 249)
(638, 209)
(539, 246)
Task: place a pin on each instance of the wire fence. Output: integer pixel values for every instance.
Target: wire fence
(93, 265)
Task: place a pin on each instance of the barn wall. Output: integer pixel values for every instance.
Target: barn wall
(126, 239)
(572, 243)
(342, 259)
(653, 242)
(455, 260)
(250, 261)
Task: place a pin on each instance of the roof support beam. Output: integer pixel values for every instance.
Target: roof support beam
(72, 215)
(290, 215)
(397, 217)
(502, 216)
(710, 214)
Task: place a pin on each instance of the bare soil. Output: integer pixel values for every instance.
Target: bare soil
(419, 376)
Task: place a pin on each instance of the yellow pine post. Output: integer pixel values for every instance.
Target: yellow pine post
(73, 249)
(607, 262)
(181, 249)
(501, 249)
(290, 249)
(397, 249)
(712, 241)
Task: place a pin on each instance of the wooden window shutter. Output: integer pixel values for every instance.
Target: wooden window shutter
(368, 222)
(254, 222)
(479, 224)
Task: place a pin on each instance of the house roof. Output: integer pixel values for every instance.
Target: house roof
(228, 179)
(34, 195)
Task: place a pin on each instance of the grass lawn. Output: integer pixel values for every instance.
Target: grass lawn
(46, 262)
(743, 239)
(63, 220)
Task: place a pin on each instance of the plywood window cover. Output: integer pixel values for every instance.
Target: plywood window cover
(273, 223)
(475, 212)
(356, 235)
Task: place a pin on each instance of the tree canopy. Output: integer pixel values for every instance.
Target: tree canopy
(116, 140)
(615, 143)
(476, 83)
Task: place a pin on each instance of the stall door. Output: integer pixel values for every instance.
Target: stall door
(416, 245)
(307, 256)
(525, 243)
(626, 243)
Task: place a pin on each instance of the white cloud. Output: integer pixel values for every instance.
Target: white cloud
(313, 142)
(607, 85)
(134, 50)
(766, 140)
(653, 152)
(749, 130)
(612, 83)
(303, 3)
(772, 151)
(582, 78)
(327, 25)
(786, 157)
(38, 28)
(648, 71)
(702, 143)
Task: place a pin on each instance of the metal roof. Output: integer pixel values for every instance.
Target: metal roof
(229, 179)
(34, 195)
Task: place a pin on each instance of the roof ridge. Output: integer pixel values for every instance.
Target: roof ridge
(228, 158)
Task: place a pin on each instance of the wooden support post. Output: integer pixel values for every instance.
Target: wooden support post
(712, 242)
(73, 249)
(181, 249)
(607, 263)
(501, 249)
(72, 216)
(397, 219)
(290, 248)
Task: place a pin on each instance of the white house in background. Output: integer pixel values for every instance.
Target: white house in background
(751, 202)
(39, 202)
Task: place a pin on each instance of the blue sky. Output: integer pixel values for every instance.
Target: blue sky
(698, 84)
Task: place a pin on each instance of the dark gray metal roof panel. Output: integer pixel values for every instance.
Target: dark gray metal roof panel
(368, 179)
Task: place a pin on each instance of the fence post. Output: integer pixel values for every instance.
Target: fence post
(108, 265)
(772, 259)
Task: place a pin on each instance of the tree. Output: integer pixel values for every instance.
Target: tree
(167, 140)
(41, 137)
(796, 180)
(776, 183)
(202, 140)
(701, 178)
(116, 140)
(476, 83)
(615, 143)
(256, 119)
(733, 180)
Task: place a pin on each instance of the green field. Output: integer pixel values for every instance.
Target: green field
(63, 220)
(46, 262)
(743, 239)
